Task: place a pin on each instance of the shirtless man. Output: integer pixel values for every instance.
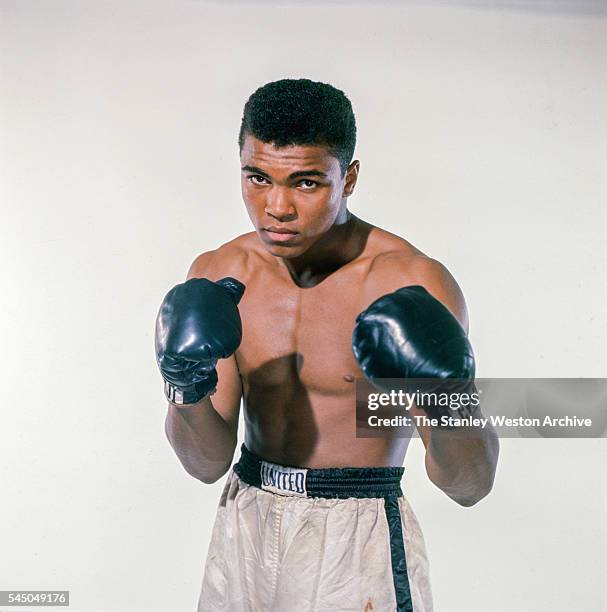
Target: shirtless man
(304, 523)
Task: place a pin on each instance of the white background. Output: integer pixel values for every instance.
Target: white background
(482, 139)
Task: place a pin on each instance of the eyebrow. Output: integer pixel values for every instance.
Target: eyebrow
(293, 175)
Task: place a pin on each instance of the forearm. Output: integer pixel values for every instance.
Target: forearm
(201, 439)
(462, 463)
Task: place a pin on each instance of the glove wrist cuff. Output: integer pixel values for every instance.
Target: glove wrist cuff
(188, 395)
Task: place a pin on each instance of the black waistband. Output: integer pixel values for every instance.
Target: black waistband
(326, 482)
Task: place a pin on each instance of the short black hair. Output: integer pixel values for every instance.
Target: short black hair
(301, 112)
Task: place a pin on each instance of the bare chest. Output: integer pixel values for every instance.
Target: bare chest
(295, 337)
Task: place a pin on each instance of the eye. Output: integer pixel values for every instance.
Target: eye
(307, 184)
(257, 179)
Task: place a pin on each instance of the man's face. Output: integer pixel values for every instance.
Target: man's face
(295, 188)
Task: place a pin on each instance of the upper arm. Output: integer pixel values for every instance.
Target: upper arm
(202, 266)
(227, 397)
(439, 282)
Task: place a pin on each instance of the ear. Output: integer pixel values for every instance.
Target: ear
(351, 178)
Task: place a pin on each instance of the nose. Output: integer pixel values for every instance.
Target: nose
(278, 206)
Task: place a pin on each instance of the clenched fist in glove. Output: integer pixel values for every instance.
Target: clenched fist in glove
(198, 323)
(409, 334)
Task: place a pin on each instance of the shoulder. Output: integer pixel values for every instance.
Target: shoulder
(400, 264)
(234, 258)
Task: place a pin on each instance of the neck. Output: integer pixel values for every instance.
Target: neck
(340, 245)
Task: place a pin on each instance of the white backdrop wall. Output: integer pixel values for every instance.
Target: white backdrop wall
(482, 139)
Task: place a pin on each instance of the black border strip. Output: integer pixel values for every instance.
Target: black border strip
(402, 589)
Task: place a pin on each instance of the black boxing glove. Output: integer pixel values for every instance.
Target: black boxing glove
(409, 334)
(197, 324)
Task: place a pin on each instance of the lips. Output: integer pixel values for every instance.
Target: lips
(280, 234)
(279, 230)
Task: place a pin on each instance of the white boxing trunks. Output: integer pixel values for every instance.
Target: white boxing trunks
(290, 539)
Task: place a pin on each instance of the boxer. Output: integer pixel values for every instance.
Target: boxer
(284, 319)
